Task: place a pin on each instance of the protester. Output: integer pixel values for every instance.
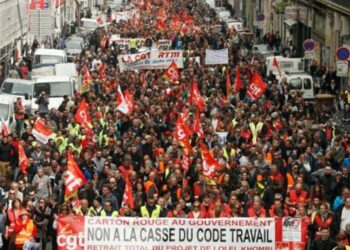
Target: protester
(276, 155)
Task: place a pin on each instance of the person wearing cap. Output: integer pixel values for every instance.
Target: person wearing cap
(150, 210)
(26, 231)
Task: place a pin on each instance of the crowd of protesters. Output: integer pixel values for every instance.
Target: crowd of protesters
(280, 156)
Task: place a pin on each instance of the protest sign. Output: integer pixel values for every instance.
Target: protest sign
(76, 232)
(160, 59)
(213, 57)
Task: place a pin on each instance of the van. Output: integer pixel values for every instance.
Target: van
(301, 82)
(232, 23)
(291, 65)
(7, 112)
(211, 3)
(13, 88)
(55, 87)
(48, 57)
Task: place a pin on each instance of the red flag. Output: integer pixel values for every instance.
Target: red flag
(238, 82)
(74, 178)
(182, 133)
(82, 116)
(41, 132)
(172, 73)
(87, 79)
(122, 105)
(209, 162)
(129, 100)
(161, 24)
(256, 88)
(103, 72)
(228, 84)
(128, 197)
(196, 98)
(37, 3)
(185, 163)
(276, 64)
(4, 129)
(23, 159)
(197, 127)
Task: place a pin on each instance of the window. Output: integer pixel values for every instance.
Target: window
(319, 23)
(54, 89)
(295, 84)
(47, 60)
(307, 84)
(17, 88)
(4, 111)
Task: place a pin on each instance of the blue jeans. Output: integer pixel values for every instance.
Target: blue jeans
(19, 127)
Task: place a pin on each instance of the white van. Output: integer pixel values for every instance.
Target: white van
(55, 87)
(7, 112)
(301, 82)
(48, 57)
(211, 3)
(286, 64)
(232, 23)
(13, 88)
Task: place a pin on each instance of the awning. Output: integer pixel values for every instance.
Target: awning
(290, 22)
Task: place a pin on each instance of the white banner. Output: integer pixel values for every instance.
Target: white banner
(124, 15)
(151, 60)
(163, 44)
(216, 56)
(179, 234)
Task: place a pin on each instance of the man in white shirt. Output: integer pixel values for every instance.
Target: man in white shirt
(343, 215)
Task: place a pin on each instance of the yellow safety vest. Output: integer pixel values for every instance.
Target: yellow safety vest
(255, 130)
(226, 155)
(155, 212)
(114, 214)
(24, 234)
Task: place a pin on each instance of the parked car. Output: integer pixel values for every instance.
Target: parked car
(74, 46)
(13, 88)
(7, 113)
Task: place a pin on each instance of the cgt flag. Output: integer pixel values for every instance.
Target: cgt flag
(87, 79)
(196, 98)
(82, 116)
(129, 100)
(172, 73)
(23, 159)
(74, 178)
(41, 132)
(276, 64)
(209, 162)
(256, 88)
(197, 127)
(122, 104)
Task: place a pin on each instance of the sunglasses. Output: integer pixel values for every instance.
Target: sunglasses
(11, 193)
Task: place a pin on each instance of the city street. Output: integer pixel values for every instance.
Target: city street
(175, 125)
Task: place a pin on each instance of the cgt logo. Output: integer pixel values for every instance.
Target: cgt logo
(70, 242)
